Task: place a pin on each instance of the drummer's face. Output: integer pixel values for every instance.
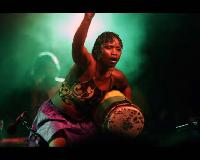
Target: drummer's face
(111, 52)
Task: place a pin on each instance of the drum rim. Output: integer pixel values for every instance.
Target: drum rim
(105, 122)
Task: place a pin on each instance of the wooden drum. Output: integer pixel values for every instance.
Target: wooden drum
(119, 115)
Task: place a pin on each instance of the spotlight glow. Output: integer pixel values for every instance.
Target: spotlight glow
(67, 28)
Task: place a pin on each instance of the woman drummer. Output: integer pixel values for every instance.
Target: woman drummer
(67, 116)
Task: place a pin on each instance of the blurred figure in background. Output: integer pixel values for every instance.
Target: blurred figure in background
(40, 83)
(45, 79)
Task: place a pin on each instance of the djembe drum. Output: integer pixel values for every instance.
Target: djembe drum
(119, 115)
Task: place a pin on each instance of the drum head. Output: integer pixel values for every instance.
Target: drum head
(125, 120)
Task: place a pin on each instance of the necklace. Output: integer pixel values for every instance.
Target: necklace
(105, 76)
(103, 79)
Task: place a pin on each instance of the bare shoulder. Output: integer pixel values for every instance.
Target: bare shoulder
(120, 80)
(83, 74)
(119, 75)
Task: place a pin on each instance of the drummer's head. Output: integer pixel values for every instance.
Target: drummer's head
(107, 48)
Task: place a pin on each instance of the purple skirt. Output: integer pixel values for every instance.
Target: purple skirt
(49, 120)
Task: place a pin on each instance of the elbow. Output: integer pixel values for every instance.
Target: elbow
(128, 93)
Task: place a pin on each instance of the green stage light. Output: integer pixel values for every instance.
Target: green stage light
(54, 32)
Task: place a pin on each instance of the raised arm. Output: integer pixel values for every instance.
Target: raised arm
(79, 53)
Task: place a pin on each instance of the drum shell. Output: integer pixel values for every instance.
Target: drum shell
(113, 105)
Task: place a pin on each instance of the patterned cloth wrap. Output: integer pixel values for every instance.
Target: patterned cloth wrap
(50, 120)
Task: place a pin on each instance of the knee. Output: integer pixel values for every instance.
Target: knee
(59, 142)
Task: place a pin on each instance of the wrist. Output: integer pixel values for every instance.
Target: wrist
(88, 18)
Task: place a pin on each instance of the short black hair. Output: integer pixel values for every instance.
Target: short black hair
(104, 38)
